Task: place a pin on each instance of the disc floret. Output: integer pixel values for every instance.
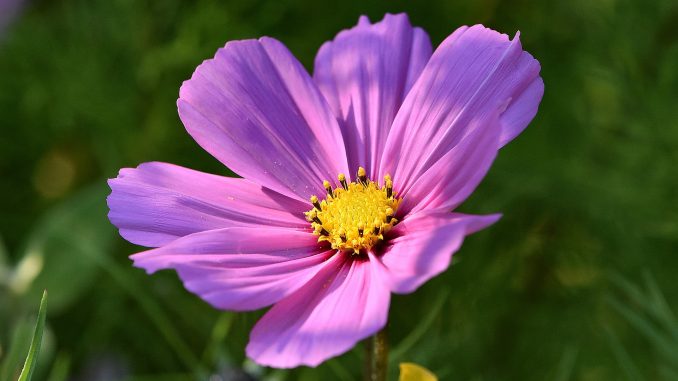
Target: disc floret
(354, 216)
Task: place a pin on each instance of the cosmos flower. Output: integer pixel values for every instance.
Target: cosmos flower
(349, 177)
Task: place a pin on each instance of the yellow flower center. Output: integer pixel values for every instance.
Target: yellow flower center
(354, 216)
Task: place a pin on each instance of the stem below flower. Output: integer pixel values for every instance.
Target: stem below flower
(376, 356)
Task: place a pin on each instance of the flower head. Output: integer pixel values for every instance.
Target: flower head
(354, 217)
(350, 177)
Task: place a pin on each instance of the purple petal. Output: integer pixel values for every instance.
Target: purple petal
(256, 109)
(522, 111)
(9, 9)
(473, 73)
(453, 178)
(345, 302)
(365, 73)
(240, 268)
(157, 203)
(424, 245)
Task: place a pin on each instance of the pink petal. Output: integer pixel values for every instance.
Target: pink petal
(520, 114)
(365, 73)
(240, 268)
(344, 303)
(256, 109)
(453, 178)
(157, 203)
(424, 245)
(9, 10)
(474, 72)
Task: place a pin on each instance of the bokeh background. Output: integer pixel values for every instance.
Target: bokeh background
(576, 282)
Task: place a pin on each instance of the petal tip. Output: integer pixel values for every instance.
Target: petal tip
(146, 260)
(363, 20)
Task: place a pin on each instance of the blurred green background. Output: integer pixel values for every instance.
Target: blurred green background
(576, 282)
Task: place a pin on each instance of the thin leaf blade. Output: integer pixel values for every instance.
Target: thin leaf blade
(34, 350)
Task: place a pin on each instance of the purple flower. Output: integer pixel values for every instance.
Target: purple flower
(349, 177)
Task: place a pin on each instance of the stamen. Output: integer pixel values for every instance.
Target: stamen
(362, 176)
(314, 201)
(354, 216)
(342, 180)
(342, 235)
(389, 214)
(311, 214)
(356, 246)
(328, 188)
(389, 188)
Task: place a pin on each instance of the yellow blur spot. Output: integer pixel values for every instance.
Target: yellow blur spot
(413, 372)
(54, 175)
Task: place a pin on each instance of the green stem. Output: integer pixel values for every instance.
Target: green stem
(376, 357)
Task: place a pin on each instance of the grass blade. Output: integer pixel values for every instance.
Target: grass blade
(60, 368)
(157, 315)
(623, 357)
(662, 310)
(408, 342)
(18, 346)
(567, 364)
(645, 326)
(34, 350)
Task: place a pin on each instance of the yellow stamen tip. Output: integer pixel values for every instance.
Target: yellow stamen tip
(326, 184)
(341, 177)
(314, 199)
(361, 171)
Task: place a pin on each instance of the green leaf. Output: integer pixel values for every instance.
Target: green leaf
(3, 253)
(567, 363)
(645, 326)
(60, 368)
(18, 346)
(69, 239)
(408, 342)
(4, 266)
(154, 311)
(650, 314)
(34, 350)
(661, 310)
(623, 358)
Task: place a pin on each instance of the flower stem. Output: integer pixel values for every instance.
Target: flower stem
(376, 356)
